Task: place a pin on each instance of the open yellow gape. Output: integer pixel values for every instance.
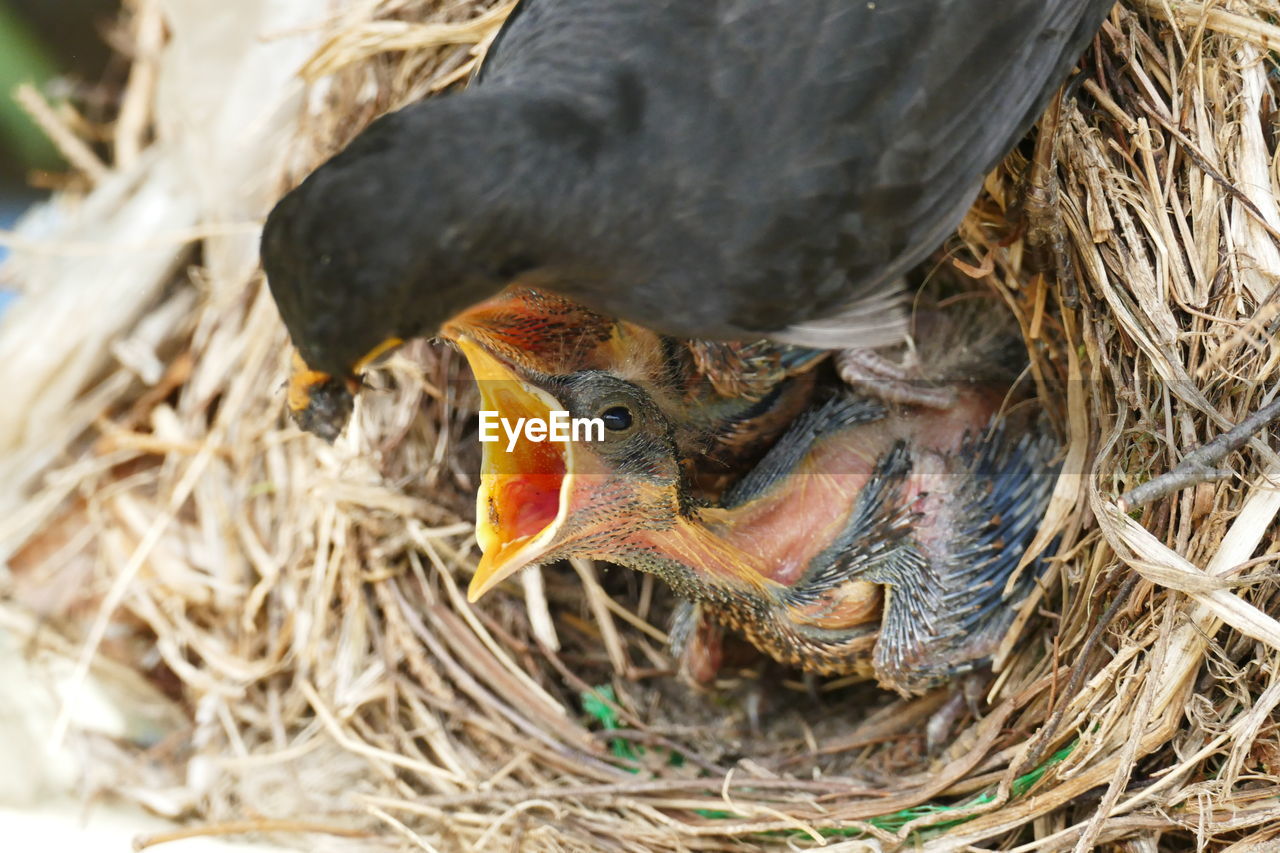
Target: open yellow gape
(522, 500)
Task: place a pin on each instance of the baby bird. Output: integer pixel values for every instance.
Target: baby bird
(868, 540)
(726, 401)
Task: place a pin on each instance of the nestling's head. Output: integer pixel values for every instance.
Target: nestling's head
(542, 501)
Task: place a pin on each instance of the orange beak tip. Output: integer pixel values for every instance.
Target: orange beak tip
(320, 404)
(498, 565)
(486, 577)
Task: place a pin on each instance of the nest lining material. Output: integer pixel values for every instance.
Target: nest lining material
(286, 617)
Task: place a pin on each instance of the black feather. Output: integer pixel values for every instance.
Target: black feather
(715, 170)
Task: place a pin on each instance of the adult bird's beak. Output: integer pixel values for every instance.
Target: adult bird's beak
(320, 402)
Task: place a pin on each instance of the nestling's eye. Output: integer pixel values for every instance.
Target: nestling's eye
(617, 418)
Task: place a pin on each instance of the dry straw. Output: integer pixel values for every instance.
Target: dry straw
(288, 615)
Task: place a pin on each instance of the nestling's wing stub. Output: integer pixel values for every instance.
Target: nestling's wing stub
(946, 609)
(834, 415)
(876, 536)
(827, 620)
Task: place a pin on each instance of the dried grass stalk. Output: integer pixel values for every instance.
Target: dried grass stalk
(297, 606)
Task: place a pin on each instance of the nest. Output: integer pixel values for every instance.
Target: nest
(279, 623)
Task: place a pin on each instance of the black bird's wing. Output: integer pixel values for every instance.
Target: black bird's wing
(495, 46)
(715, 169)
(868, 158)
(774, 166)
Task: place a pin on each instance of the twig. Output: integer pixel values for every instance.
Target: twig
(610, 792)
(247, 827)
(75, 149)
(1191, 150)
(1050, 730)
(1198, 466)
(535, 604)
(130, 131)
(1258, 32)
(608, 631)
(402, 830)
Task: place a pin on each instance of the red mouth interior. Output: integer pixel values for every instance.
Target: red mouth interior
(526, 497)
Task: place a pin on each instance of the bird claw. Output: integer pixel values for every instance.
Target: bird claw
(869, 372)
(697, 643)
(940, 729)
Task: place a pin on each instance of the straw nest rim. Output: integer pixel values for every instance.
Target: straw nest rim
(286, 618)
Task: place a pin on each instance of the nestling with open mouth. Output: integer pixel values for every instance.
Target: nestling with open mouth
(726, 402)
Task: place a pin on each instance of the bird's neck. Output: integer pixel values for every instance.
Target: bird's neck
(700, 562)
(762, 546)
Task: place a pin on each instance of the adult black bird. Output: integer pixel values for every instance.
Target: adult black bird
(719, 170)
